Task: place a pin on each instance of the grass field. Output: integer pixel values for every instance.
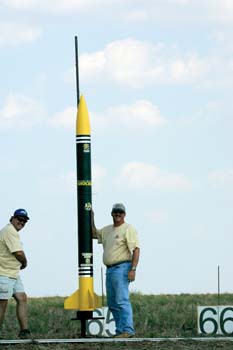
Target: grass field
(155, 316)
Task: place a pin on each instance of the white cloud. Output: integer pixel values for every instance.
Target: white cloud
(12, 33)
(220, 11)
(124, 61)
(137, 63)
(19, 4)
(165, 11)
(92, 63)
(188, 70)
(145, 176)
(20, 111)
(187, 11)
(53, 6)
(221, 178)
(140, 115)
(66, 118)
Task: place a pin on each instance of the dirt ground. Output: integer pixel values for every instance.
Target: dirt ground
(162, 345)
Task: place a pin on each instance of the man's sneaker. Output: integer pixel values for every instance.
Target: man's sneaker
(124, 335)
(24, 334)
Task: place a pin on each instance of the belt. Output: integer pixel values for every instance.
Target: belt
(118, 263)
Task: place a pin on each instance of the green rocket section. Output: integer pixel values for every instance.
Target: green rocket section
(84, 299)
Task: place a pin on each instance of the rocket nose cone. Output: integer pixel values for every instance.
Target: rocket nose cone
(83, 122)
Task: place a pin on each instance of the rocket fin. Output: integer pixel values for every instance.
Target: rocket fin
(94, 300)
(76, 302)
(72, 302)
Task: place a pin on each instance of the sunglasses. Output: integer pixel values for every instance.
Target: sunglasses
(21, 220)
(118, 211)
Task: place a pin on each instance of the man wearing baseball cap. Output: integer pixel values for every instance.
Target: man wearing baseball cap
(121, 255)
(12, 260)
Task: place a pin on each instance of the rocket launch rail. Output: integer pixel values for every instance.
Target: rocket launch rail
(117, 340)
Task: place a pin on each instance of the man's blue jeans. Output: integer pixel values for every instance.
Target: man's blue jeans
(117, 286)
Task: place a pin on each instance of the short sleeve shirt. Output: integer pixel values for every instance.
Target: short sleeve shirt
(9, 243)
(118, 242)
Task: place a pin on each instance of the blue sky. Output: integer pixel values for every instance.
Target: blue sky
(157, 77)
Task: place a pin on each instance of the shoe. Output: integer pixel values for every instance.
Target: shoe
(125, 335)
(24, 334)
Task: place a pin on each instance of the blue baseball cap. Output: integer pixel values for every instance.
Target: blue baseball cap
(21, 212)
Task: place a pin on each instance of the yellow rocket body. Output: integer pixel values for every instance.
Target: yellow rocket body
(84, 299)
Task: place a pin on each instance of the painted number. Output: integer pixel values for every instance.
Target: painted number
(215, 320)
(95, 327)
(212, 323)
(226, 321)
(101, 327)
(109, 324)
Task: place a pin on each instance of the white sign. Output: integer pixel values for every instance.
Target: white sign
(101, 327)
(215, 319)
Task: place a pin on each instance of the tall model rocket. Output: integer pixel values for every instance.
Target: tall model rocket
(84, 300)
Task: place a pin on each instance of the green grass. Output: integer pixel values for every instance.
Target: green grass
(154, 316)
(170, 315)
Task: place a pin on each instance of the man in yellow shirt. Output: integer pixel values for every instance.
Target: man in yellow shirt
(12, 260)
(121, 255)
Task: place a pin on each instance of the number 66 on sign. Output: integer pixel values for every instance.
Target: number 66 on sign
(215, 319)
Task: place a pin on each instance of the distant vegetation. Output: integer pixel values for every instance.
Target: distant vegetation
(154, 316)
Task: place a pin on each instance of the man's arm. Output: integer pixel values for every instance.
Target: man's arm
(21, 257)
(135, 258)
(94, 229)
(134, 263)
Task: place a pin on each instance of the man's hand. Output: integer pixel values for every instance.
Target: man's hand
(23, 266)
(131, 275)
(20, 256)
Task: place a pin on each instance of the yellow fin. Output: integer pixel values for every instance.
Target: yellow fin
(90, 302)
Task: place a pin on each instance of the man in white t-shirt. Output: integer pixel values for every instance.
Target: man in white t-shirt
(121, 255)
(12, 260)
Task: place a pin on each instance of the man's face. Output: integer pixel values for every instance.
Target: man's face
(118, 217)
(18, 222)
